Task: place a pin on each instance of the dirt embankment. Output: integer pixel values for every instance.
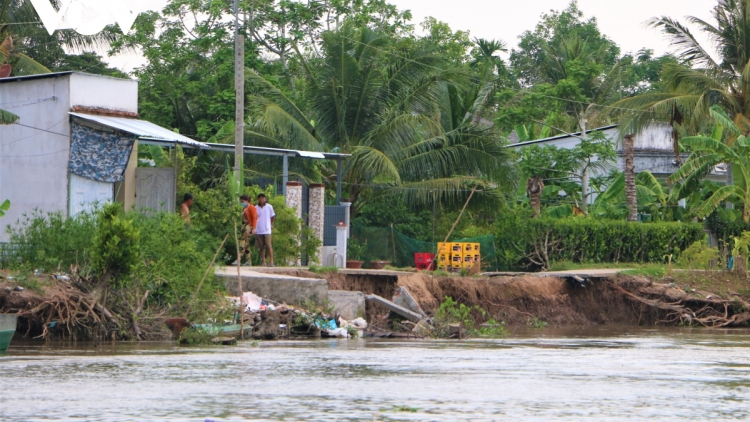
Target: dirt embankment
(621, 300)
(515, 300)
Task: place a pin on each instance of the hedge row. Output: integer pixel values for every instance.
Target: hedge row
(591, 241)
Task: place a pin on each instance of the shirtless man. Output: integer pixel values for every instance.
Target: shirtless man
(187, 202)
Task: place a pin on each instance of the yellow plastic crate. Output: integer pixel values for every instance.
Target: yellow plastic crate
(468, 261)
(443, 248)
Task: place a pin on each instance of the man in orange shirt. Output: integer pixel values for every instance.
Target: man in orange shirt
(249, 222)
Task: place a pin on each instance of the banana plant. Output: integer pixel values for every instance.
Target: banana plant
(5, 206)
(710, 151)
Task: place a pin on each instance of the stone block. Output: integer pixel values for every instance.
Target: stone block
(411, 316)
(279, 288)
(349, 305)
(403, 298)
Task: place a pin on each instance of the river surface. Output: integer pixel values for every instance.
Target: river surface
(571, 374)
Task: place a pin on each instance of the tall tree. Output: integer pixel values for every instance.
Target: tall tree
(698, 81)
(552, 30)
(188, 81)
(20, 22)
(631, 198)
(404, 119)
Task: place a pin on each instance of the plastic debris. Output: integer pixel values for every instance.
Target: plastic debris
(339, 332)
(19, 289)
(325, 325)
(359, 323)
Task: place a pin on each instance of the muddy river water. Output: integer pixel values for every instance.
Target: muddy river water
(571, 374)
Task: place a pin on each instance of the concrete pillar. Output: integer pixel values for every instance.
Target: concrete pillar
(348, 217)
(294, 201)
(317, 214)
(294, 197)
(342, 236)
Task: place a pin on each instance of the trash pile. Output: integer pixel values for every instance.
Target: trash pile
(272, 320)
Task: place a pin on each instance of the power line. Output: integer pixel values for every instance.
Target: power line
(34, 135)
(43, 130)
(34, 155)
(24, 103)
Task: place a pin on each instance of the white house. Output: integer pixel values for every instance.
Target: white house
(654, 149)
(76, 144)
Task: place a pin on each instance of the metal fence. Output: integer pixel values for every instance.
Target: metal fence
(333, 215)
(7, 254)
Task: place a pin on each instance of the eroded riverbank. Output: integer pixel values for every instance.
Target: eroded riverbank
(537, 374)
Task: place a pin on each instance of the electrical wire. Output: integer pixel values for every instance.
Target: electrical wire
(33, 155)
(25, 103)
(34, 135)
(43, 130)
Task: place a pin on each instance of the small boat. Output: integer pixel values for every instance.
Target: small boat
(7, 329)
(176, 325)
(231, 330)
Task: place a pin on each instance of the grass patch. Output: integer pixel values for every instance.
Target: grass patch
(323, 270)
(571, 266)
(651, 271)
(536, 323)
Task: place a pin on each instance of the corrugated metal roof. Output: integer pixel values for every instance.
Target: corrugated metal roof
(141, 128)
(558, 137)
(229, 148)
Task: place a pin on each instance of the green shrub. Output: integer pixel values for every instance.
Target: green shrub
(52, 241)
(537, 243)
(451, 312)
(164, 258)
(116, 243)
(698, 255)
(172, 261)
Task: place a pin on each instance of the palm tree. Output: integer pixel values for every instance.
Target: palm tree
(710, 151)
(19, 21)
(405, 120)
(699, 81)
(19, 63)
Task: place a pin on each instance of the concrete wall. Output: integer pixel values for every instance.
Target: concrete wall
(317, 214)
(125, 190)
(103, 92)
(34, 153)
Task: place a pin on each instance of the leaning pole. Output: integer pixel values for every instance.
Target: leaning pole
(239, 89)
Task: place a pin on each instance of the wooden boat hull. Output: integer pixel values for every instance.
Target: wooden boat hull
(7, 329)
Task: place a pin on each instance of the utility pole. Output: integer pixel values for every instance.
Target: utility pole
(239, 89)
(585, 175)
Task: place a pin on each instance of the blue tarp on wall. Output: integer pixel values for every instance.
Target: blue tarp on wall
(99, 155)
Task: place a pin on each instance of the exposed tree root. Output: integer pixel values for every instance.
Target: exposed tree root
(680, 308)
(69, 309)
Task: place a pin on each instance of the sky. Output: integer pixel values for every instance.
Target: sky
(621, 20)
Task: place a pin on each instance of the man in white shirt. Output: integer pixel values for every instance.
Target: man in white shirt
(266, 218)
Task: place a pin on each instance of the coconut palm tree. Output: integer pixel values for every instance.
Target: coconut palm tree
(19, 21)
(404, 117)
(699, 81)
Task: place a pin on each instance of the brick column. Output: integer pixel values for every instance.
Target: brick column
(317, 215)
(294, 197)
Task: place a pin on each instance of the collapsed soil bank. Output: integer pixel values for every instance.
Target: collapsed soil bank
(519, 300)
(514, 300)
